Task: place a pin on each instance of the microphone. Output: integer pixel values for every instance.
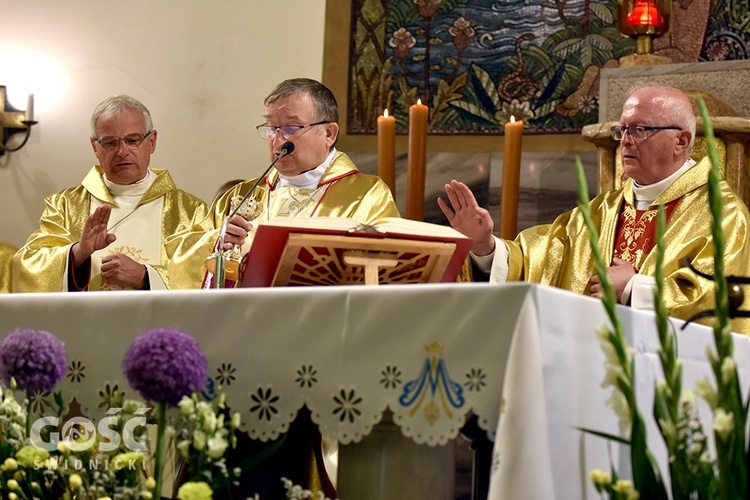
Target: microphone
(219, 274)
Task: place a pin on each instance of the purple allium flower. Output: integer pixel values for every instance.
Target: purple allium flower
(164, 364)
(34, 358)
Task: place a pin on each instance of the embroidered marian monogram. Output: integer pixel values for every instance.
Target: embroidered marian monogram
(433, 384)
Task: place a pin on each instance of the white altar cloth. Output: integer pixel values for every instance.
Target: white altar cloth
(429, 353)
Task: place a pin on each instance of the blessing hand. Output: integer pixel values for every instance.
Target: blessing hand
(467, 217)
(94, 235)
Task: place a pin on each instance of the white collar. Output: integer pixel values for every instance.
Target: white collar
(309, 179)
(136, 188)
(645, 195)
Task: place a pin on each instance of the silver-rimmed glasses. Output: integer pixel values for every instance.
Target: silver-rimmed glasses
(266, 131)
(132, 141)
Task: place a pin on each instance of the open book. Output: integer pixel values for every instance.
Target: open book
(290, 251)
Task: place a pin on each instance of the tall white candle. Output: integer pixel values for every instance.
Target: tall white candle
(30, 108)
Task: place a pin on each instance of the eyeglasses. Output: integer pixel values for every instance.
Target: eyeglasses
(267, 131)
(637, 132)
(132, 141)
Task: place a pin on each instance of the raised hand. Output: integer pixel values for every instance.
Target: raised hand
(467, 217)
(94, 235)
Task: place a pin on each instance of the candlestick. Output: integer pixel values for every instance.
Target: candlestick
(417, 161)
(30, 108)
(511, 179)
(387, 150)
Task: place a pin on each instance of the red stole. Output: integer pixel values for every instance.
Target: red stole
(636, 232)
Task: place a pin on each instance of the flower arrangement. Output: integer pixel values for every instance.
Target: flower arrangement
(33, 465)
(112, 461)
(164, 365)
(692, 471)
(205, 435)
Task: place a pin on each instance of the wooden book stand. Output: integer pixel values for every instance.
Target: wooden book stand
(315, 259)
(303, 256)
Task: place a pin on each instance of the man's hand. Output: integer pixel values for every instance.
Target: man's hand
(237, 230)
(119, 269)
(468, 218)
(94, 235)
(619, 274)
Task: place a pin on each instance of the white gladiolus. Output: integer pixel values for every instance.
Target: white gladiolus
(723, 423)
(728, 369)
(705, 390)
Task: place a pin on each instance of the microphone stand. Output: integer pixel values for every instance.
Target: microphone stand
(219, 274)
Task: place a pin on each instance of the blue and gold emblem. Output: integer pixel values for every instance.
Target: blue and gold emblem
(433, 388)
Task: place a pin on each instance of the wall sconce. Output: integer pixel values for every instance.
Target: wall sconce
(13, 121)
(644, 20)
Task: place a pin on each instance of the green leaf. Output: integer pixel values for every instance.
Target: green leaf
(605, 435)
(602, 11)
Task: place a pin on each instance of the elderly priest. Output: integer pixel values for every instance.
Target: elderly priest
(656, 133)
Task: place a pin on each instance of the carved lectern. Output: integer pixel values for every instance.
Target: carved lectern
(336, 251)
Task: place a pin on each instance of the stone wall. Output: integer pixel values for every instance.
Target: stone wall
(727, 80)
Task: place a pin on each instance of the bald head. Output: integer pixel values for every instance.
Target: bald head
(659, 152)
(670, 104)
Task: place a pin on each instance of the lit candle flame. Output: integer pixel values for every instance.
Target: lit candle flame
(385, 113)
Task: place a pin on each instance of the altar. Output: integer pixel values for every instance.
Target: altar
(522, 358)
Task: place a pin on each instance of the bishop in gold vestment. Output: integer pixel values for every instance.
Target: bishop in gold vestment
(310, 179)
(342, 191)
(656, 131)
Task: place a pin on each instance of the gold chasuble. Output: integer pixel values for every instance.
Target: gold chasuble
(6, 266)
(558, 254)
(343, 191)
(141, 228)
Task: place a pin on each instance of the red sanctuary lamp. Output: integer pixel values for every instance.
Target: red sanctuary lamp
(645, 20)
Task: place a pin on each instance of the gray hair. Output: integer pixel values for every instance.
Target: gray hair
(326, 107)
(113, 106)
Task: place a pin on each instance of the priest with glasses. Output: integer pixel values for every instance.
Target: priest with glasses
(108, 233)
(656, 134)
(310, 178)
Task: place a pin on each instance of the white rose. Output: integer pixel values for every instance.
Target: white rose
(186, 406)
(216, 447)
